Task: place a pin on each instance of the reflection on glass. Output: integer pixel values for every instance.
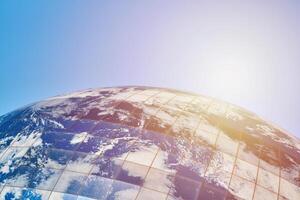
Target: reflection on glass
(144, 143)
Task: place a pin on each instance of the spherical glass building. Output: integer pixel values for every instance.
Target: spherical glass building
(144, 143)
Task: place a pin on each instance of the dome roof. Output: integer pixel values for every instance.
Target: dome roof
(144, 143)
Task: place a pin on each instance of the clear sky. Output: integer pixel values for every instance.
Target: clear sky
(243, 52)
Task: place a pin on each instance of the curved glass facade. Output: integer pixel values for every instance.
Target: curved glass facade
(144, 143)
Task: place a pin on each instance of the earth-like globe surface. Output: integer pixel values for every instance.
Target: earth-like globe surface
(144, 143)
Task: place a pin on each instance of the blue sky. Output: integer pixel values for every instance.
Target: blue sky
(243, 52)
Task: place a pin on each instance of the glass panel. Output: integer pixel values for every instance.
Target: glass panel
(180, 101)
(216, 174)
(158, 180)
(42, 157)
(82, 162)
(185, 125)
(245, 170)
(94, 145)
(151, 195)
(122, 116)
(107, 167)
(227, 145)
(96, 187)
(242, 188)
(208, 137)
(70, 182)
(161, 161)
(160, 98)
(261, 193)
(119, 147)
(268, 180)
(198, 105)
(220, 169)
(122, 94)
(185, 188)
(247, 155)
(149, 110)
(111, 130)
(153, 104)
(56, 158)
(164, 142)
(150, 92)
(291, 171)
(269, 167)
(144, 155)
(139, 98)
(132, 173)
(208, 126)
(59, 140)
(217, 108)
(45, 178)
(162, 121)
(121, 190)
(212, 193)
(270, 159)
(190, 161)
(289, 190)
(41, 178)
(62, 196)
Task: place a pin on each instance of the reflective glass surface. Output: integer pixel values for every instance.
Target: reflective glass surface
(144, 143)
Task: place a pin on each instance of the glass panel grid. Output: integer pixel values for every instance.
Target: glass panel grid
(150, 167)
